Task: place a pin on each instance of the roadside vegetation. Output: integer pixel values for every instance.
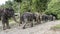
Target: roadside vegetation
(56, 27)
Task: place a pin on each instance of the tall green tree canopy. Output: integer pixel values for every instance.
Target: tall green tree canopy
(44, 6)
(54, 7)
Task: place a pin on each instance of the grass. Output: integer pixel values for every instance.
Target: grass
(56, 27)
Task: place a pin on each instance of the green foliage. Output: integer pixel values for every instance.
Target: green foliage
(8, 4)
(44, 6)
(25, 5)
(12, 4)
(15, 6)
(54, 7)
(57, 27)
(33, 5)
(18, 0)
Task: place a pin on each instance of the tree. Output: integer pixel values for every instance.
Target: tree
(8, 4)
(54, 8)
(18, 0)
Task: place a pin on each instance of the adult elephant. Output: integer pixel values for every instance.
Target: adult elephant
(26, 17)
(52, 18)
(29, 17)
(5, 15)
(36, 17)
(45, 17)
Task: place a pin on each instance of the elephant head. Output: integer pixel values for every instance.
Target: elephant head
(7, 13)
(10, 13)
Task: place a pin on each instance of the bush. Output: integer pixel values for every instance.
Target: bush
(54, 8)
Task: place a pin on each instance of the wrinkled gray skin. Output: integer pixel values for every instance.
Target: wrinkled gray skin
(26, 17)
(6, 14)
(51, 18)
(29, 17)
(45, 18)
(37, 18)
(48, 17)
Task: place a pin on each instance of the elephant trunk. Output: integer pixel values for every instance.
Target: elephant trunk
(15, 19)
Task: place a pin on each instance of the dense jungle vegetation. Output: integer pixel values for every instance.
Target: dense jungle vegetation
(44, 6)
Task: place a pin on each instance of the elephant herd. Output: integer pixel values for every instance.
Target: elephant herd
(26, 17)
(29, 17)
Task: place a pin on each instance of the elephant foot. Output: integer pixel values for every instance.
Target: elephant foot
(20, 24)
(39, 22)
(4, 28)
(8, 27)
(24, 27)
(31, 25)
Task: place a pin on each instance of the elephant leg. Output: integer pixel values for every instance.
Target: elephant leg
(7, 24)
(8, 27)
(4, 28)
(25, 20)
(37, 20)
(24, 25)
(20, 23)
(3, 23)
(31, 24)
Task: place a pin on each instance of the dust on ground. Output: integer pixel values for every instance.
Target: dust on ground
(38, 29)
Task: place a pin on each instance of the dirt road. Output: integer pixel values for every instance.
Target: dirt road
(39, 29)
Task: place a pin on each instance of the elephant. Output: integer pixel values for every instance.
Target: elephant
(45, 18)
(26, 17)
(52, 18)
(37, 17)
(0, 17)
(29, 17)
(6, 14)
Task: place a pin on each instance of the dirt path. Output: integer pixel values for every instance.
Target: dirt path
(39, 29)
